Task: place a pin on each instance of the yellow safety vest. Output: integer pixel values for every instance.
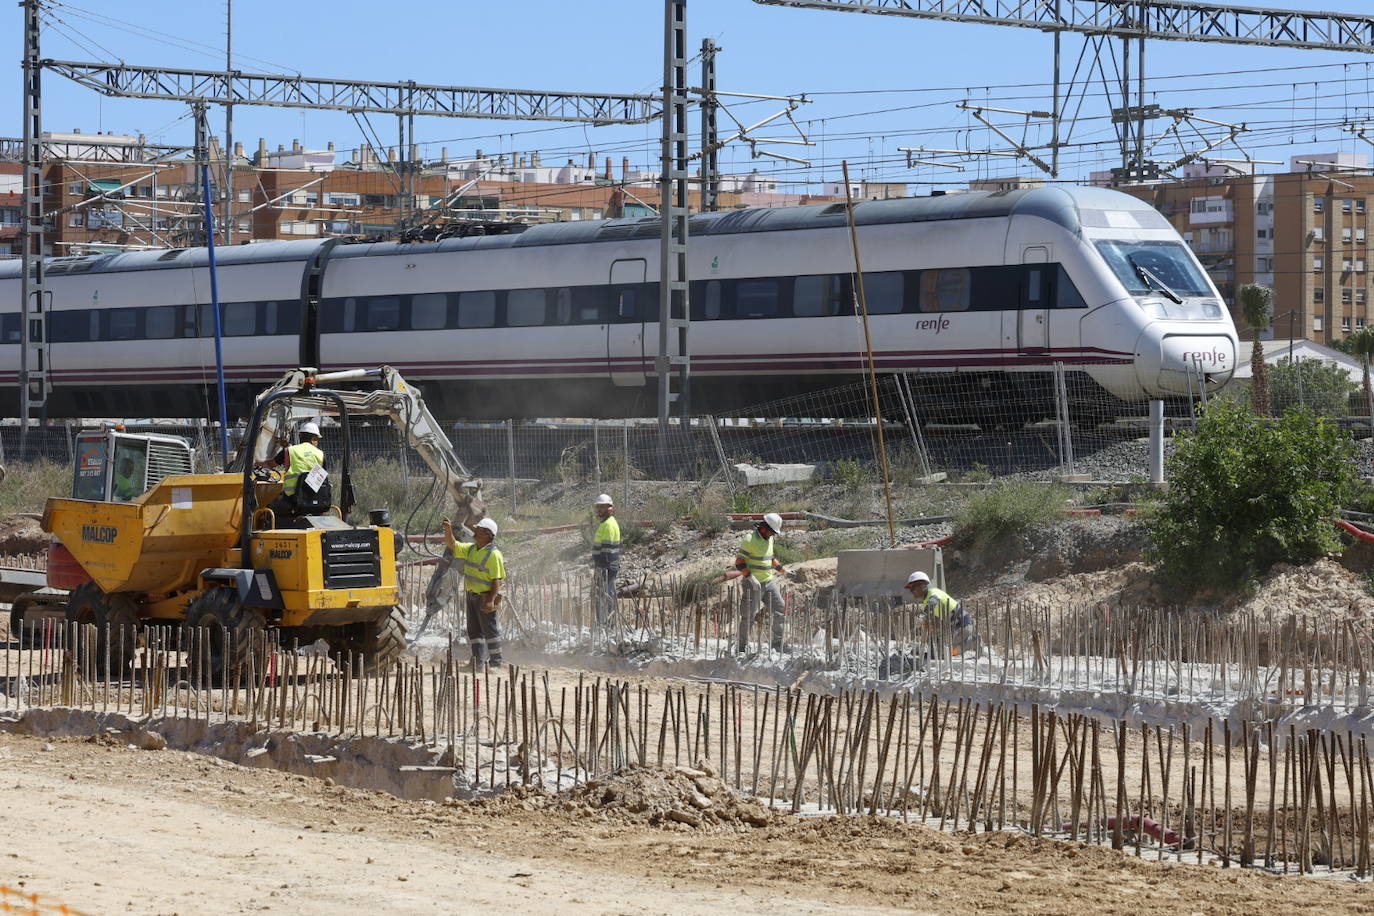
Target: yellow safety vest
(940, 604)
(606, 543)
(124, 487)
(758, 551)
(481, 565)
(302, 457)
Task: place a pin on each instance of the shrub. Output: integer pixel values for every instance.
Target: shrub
(1323, 388)
(850, 474)
(1248, 492)
(1008, 509)
(28, 485)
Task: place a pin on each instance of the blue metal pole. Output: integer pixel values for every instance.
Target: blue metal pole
(214, 307)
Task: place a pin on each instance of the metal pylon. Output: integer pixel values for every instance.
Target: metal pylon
(34, 383)
(673, 353)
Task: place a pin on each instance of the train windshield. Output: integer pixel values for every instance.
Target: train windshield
(1152, 268)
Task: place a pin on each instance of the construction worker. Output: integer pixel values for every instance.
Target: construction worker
(126, 484)
(484, 572)
(605, 560)
(941, 612)
(755, 559)
(298, 460)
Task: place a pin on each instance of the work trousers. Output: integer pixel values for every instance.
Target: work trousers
(751, 596)
(603, 595)
(484, 635)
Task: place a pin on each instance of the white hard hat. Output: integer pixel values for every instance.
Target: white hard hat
(604, 500)
(774, 521)
(917, 577)
(310, 428)
(487, 524)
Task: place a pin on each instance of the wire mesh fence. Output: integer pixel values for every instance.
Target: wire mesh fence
(1037, 422)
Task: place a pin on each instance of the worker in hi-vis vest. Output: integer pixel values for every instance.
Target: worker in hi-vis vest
(605, 561)
(941, 612)
(296, 462)
(484, 573)
(755, 559)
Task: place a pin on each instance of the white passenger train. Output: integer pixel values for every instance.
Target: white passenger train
(561, 320)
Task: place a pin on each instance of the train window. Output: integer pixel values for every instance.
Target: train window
(160, 322)
(710, 306)
(945, 290)
(288, 318)
(428, 311)
(348, 315)
(269, 318)
(188, 320)
(883, 292)
(71, 326)
(756, 298)
(240, 319)
(525, 307)
(123, 324)
(627, 305)
(383, 313)
(9, 328)
(477, 310)
(815, 296)
(1034, 288)
(1066, 295)
(563, 306)
(589, 304)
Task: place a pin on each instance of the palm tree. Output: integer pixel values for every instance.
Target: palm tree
(1361, 344)
(1256, 303)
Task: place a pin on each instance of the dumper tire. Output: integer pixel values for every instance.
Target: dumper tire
(216, 612)
(117, 627)
(374, 646)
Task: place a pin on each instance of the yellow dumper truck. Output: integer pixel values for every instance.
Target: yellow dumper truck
(206, 550)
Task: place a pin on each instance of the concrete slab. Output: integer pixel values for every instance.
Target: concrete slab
(753, 475)
(883, 573)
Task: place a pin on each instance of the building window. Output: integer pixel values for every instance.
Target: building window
(1359, 235)
(1264, 207)
(1346, 234)
(1317, 323)
(1359, 205)
(1359, 265)
(77, 189)
(1318, 263)
(1318, 204)
(1359, 324)
(245, 225)
(342, 199)
(1319, 233)
(1347, 204)
(1359, 297)
(1345, 323)
(1347, 295)
(76, 218)
(1264, 233)
(245, 195)
(1319, 295)
(1345, 266)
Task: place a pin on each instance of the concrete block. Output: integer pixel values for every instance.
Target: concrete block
(753, 475)
(883, 573)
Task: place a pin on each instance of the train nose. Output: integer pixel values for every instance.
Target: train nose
(1175, 364)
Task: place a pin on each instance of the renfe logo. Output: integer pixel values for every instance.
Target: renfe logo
(1212, 357)
(933, 324)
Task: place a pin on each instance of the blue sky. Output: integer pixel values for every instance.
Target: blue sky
(878, 83)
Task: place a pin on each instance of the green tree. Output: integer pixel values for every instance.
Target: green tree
(1321, 387)
(1247, 492)
(1361, 344)
(1256, 302)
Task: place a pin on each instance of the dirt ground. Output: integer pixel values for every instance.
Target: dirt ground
(83, 827)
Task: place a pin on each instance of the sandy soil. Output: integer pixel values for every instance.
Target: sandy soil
(84, 826)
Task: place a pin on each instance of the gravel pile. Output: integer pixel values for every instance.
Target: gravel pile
(680, 798)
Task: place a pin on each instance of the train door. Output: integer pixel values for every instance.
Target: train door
(1034, 315)
(625, 322)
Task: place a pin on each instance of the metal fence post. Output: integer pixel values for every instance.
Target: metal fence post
(625, 462)
(596, 452)
(510, 462)
(1157, 443)
(1064, 420)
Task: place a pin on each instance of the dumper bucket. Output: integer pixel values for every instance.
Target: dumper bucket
(159, 543)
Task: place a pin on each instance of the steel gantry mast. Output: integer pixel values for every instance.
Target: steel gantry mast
(1131, 21)
(33, 356)
(674, 358)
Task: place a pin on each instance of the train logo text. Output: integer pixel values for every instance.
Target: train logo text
(935, 325)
